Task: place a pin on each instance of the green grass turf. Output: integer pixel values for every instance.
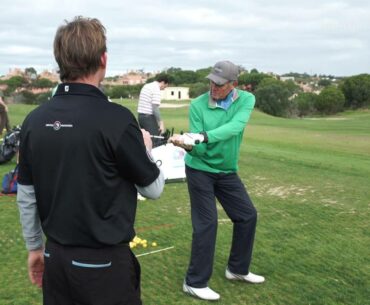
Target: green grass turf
(310, 182)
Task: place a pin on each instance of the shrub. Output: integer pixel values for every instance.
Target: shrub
(254, 79)
(324, 82)
(305, 103)
(43, 97)
(124, 91)
(356, 90)
(330, 100)
(274, 97)
(43, 83)
(198, 89)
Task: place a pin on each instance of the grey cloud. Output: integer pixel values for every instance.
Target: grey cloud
(312, 36)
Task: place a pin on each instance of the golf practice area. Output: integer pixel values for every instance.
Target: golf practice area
(309, 180)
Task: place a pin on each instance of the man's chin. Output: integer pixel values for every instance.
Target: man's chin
(216, 97)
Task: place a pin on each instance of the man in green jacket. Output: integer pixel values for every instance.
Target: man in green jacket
(217, 121)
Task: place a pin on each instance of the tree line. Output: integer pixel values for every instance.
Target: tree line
(273, 95)
(287, 99)
(18, 88)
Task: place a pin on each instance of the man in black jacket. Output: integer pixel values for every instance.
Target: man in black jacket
(82, 162)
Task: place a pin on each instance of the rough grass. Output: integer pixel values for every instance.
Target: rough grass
(309, 180)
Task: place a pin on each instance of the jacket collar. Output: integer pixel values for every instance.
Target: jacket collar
(79, 89)
(213, 104)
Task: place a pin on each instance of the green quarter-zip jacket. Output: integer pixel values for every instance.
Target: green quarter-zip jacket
(224, 128)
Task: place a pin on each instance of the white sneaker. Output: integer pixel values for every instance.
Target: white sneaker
(201, 293)
(250, 277)
(141, 198)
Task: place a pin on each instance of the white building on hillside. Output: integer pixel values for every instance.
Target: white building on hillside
(286, 78)
(175, 93)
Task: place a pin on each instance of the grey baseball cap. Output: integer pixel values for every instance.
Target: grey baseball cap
(223, 72)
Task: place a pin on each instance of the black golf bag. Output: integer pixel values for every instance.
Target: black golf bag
(10, 144)
(162, 139)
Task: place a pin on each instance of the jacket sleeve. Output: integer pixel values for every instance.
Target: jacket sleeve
(30, 220)
(236, 124)
(196, 125)
(133, 162)
(153, 190)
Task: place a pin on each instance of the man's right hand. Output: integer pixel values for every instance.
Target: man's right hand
(161, 127)
(147, 139)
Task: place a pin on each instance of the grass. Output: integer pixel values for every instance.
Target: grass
(308, 178)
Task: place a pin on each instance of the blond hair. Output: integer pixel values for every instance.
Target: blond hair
(78, 47)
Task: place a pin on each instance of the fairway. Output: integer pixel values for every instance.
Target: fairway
(310, 182)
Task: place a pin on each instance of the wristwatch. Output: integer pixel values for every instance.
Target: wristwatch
(205, 136)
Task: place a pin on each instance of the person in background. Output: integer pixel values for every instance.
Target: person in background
(220, 116)
(148, 107)
(82, 161)
(4, 118)
(248, 87)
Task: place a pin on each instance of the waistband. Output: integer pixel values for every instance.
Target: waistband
(122, 244)
(145, 114)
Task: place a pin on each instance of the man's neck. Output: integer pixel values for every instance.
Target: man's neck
(92, 79)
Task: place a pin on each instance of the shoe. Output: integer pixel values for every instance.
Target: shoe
(250, 277)
(141, 198)
(201, 293)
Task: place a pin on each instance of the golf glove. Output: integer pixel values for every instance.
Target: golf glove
(192, 138)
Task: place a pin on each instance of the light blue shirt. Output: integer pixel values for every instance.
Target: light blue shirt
(226, 102)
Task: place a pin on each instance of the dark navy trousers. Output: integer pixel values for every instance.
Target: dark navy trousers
(204, 188)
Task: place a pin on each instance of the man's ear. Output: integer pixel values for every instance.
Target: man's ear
(104, 60)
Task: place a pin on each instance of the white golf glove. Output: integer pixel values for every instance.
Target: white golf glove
(192, 138)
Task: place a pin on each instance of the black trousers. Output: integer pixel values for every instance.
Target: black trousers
(204, 188)
(149, 123)
(86, 276)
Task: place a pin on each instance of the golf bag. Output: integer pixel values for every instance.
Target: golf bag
(170, 159)
(10, 144)
(163, 138)
(10, 182)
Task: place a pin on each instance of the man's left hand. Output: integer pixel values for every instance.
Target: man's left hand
(178, 140)
(36, 266)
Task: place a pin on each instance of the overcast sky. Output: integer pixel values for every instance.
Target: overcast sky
(316, 36)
